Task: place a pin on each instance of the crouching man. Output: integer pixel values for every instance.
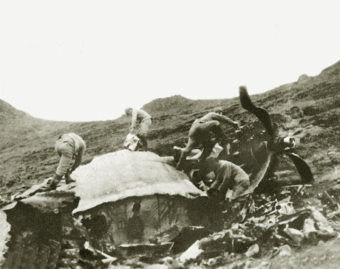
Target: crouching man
(71, 148)
(227, 176)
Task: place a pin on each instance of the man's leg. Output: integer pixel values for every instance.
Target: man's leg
(68, 178)
(143, 132)
(211, 128)
(207, 149)
(190, 145)
(219, 133)
(65, 164)
(54, 182)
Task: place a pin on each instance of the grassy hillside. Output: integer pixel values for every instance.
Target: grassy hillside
(309, 107)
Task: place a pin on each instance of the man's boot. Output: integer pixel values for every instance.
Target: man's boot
(69, 179)
(51, 184)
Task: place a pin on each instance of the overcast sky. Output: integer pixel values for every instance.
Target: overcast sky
(88, 60)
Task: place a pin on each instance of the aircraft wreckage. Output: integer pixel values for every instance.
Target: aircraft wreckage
(126, 200)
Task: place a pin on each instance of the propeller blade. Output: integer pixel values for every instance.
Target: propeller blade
(260, 113)
(259, 175)
(302, 167)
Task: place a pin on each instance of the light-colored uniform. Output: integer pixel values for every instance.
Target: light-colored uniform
(210, 122)
(140, 122)
(229, 176)
(199, 134)
(71, 148)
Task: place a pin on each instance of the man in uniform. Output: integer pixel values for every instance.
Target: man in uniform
(226, 176)
(140, 123)
(201, 132)
(71, 148)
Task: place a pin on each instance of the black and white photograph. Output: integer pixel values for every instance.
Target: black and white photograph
(169, 134)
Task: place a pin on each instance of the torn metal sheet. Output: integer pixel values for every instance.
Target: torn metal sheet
(146, 249)
(52, 201)
(122, 174)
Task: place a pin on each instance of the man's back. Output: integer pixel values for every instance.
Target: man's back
(210, 116)
(79, 143)
(141, 114)
(230, 168)
(213, 116)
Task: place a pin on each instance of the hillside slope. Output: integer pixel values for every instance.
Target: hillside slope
(309, 107)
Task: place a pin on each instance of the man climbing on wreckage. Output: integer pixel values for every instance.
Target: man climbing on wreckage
(140, 124)
(201, 132)
(226, 176)
(71, 148)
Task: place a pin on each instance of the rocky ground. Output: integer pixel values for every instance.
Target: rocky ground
(308, 109)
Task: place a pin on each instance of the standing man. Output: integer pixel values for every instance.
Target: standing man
(71, 148)
(226, 176)
(201, 131)
(140, 124)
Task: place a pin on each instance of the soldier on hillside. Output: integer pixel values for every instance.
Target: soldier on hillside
(140, 123)
(201, 133)
(71, 148)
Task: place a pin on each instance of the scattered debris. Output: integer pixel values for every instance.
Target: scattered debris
(283, 251)
(191, 253)
(253, 250)
(187, 236)
(294, 234)
(272, 221)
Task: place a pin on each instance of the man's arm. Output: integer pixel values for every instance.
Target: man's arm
(240, 188)
(78, 158)
(215, 187)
